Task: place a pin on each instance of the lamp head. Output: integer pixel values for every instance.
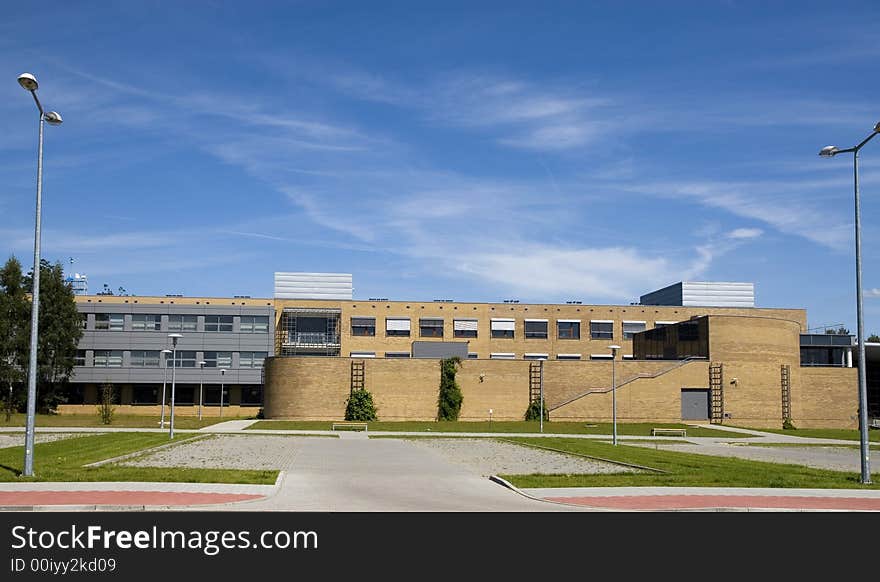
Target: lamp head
(877, 127)
(202, 364)
(166, 351)
(53, 118)
(28, 82)
(614, 348)
(222, 371)
(829, 151)
(174, 337)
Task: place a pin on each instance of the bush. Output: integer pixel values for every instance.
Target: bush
(105, 405)
(360, 406)
(534, 410)
(787, 424)
(450, 397)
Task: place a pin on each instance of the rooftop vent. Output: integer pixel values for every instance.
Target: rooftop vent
(443, 301)
(241, 296)
(573, 302)
(174, 295)
(378, 299)
(511, 300)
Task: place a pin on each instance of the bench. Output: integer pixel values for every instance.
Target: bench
(875, 423)
(669, 432)
(349, 426)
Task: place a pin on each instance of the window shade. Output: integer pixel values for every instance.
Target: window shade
(503, 325)
(397, 324)
(464, 325)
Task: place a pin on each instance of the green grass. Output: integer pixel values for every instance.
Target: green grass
(628, 429)
(119, 421)
(63, 460)
(823, 433)
(682, 470)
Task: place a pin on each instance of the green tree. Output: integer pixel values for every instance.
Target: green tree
(14, 334)
(839, 331)
(874, 338)
(360, 406)
(450, 397)
(59, 333)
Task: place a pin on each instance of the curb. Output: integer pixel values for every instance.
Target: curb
(621, 463)
(515, 489)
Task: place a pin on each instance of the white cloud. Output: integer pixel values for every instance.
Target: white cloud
(745, 233)
(873, 293)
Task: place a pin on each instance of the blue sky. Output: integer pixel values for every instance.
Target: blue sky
(474, 151)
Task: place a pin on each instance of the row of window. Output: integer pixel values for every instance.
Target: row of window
(185, 359)
(499, 328)
(496, 356)
(153, 322)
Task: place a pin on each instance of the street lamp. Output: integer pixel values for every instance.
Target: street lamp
(830, 152)
(164, 379)
(29, 83)
(614, 393)
(174, 337)
(222, 374)
(201, 373)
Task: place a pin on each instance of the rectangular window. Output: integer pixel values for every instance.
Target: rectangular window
(145, 395)
(464, 328)
(362, 354)
(85, 320)
(601, 329)
(430, 327)
(251, 359)
(568, 356)
(536, 328)
(363, 326)
(502, 356)
(663, 323)
(254, 324)
(218, 323)
(218, 360)
(600, 356)
(472, 356)
(182, 322)
(80, 358)
(109, 321)
(627, 356)
(397, 326)
(144, 359)
(146, 322)
(108, 358)
(251, 395)
(185, 359)
(630, 328)
(502, 328)
(396, 354)
(569, 329)
(535, 357)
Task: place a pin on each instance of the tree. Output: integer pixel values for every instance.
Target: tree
(839, 331)
(874, 338)
(14, 333)
(60, 331)
(450, 397)
(360, 406)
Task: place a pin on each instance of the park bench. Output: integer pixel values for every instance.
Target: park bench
(349, 426)
(669, 432)
(875, 423)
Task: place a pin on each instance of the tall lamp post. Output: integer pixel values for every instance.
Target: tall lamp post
(864, 452)
(174, 337)
(201, 373)
(614, 393)
(164, 379)
(222, 384)
(29, 83)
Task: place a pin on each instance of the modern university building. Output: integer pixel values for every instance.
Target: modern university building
(692, 351)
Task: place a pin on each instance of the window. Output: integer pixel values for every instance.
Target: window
(218, 360)
(664, 323)
(218, 323)
(568, 356)
(472, 356)
(630, 328)
(80, 358)
(362, 354)
(144, 359)
(182, 322)
(251, 359)
(145, 395)
(502, 356)
(363, 326)
(536, 328)
(110, 321)
(146, 322)
(502, 328)
(600, 329)
(397, 326)
(464, 328)
(535, 357)
(569, 329)
(108, 358)
(600, 356)
(251, 395)
(396, 354)
(429, 327)
(85, 320)
(254, 324)
(184, 359)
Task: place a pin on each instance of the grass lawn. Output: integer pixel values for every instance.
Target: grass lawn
(63, 460)
(682, 470)
(823, 433)
(119, 421)
(630, 429)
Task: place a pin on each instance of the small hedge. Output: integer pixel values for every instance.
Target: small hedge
(360, 406)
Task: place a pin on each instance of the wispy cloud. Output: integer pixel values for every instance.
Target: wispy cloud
(745, 233)
(873, 293)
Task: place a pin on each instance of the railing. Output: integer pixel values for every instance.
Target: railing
(311, 338)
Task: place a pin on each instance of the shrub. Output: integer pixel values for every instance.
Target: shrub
(360, 406)
(450, 397)
(534, 410)
(105, 405)
(787, 424)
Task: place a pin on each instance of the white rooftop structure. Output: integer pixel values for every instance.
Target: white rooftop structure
(313, 286)
(703, 294)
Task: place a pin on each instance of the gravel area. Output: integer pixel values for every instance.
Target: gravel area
(17, 439)
(492, 457)
(228, 452)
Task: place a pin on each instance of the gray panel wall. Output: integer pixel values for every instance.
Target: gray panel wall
(440, 350)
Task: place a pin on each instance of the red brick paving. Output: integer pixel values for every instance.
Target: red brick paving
(26, 498)
(667, 502)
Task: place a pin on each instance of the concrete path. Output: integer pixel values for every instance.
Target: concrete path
(229, 426)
